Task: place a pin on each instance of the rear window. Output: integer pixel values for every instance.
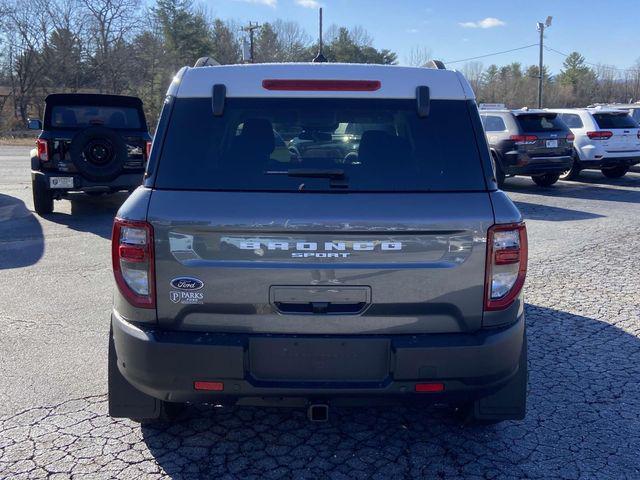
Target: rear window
(540, 123)
(614, 120)
(493, 123)
(572, 120)
(635, 113)
(74, 116)
(298, 144)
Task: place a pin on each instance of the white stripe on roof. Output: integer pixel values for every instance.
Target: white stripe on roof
(396, 82)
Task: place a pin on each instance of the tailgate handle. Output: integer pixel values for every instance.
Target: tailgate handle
(320, 300)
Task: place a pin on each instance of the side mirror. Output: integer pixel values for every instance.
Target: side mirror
(34, 124)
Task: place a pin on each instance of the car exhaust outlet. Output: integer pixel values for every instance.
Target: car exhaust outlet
(318, 412)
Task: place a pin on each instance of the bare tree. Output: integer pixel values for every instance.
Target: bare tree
(418, 56)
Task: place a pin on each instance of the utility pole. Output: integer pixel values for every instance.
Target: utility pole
(250, 28)
(541, 26)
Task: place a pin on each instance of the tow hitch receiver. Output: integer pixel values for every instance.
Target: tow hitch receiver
(318, 412)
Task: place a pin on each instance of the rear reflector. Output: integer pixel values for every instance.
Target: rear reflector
(148, 149)
(323, 85)
(209, 386)
(429, 387)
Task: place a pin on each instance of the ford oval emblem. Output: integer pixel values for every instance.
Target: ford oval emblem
(187, 283)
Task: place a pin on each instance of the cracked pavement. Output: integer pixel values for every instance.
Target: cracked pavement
(583, 319)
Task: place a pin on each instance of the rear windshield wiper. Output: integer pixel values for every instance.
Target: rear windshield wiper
(336, 175)
(310, 172)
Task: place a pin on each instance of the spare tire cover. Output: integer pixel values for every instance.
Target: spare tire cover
(98, 153)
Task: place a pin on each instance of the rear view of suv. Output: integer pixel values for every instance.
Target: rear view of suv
(607, 139)
(391, 272)
(527, 142)
(89, 143)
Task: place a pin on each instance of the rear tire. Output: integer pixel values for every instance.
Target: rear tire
(42, 198)
(573, 173)
(546, 180)
(508, 403)
(615, 172)
(499, 173)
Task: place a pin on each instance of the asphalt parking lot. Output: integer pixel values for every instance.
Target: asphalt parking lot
(583, 316)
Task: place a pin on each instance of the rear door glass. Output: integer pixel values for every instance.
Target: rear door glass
(296, 144)
(539, 123)
(572, 120)
(75, 116)
(493, 123)
(614, 120)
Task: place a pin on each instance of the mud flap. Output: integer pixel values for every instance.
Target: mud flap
(508, 403)
(125, 401)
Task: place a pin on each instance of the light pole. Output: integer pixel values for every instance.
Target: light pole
(541, 26)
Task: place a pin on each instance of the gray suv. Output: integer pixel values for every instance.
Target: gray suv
(247, 275)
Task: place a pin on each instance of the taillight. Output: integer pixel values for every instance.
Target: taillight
(323, 85)
(148, 149)
(43, 150)
(506, 265)
(133, 261)
(600, 135)
(570, 137)
(524, 139)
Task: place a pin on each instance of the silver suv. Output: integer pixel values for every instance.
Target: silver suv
(250, 273)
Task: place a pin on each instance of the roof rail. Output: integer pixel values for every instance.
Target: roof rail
(436, 64)
(206, 62)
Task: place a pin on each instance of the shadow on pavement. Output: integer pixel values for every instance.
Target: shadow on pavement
(21, 237)
(587, 187)
(533, 211)
(582, 422)
(93, 214)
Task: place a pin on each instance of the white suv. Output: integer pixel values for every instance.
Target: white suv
(605, 138)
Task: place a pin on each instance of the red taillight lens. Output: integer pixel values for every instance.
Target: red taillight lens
(148, 149)
(133, 261)
(506, 267)
(209, 386)
(524, 139)
(570, 137)
(429, 387)
(323, 85)
(600, 135)
(43, 150)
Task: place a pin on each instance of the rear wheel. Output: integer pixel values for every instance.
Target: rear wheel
(615, 172)
(573, 172)
(42, 198)
(497, 168)
(546, 180)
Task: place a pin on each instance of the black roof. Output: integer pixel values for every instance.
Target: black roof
(92, 99)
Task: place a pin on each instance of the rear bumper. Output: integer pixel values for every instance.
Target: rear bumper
(125, 181)
(165, 365)
(606, 162)
(522, 164)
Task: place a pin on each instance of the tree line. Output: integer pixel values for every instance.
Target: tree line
(134, 48)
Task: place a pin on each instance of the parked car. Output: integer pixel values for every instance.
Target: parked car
(242, 278)
(89, 143)
(606, 139)
(632, 108)
(528, 142)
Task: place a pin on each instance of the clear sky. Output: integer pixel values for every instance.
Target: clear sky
(604, 32)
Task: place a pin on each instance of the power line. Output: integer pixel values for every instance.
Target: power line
(447, 62)
(593, 64)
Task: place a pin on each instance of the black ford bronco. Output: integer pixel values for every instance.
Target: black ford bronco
(89, 143)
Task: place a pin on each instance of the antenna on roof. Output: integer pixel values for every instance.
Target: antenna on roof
(320, 58)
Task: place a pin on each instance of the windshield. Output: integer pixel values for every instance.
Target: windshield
(296, 144)
(614, 120)
(540, 123)
(75, 116)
